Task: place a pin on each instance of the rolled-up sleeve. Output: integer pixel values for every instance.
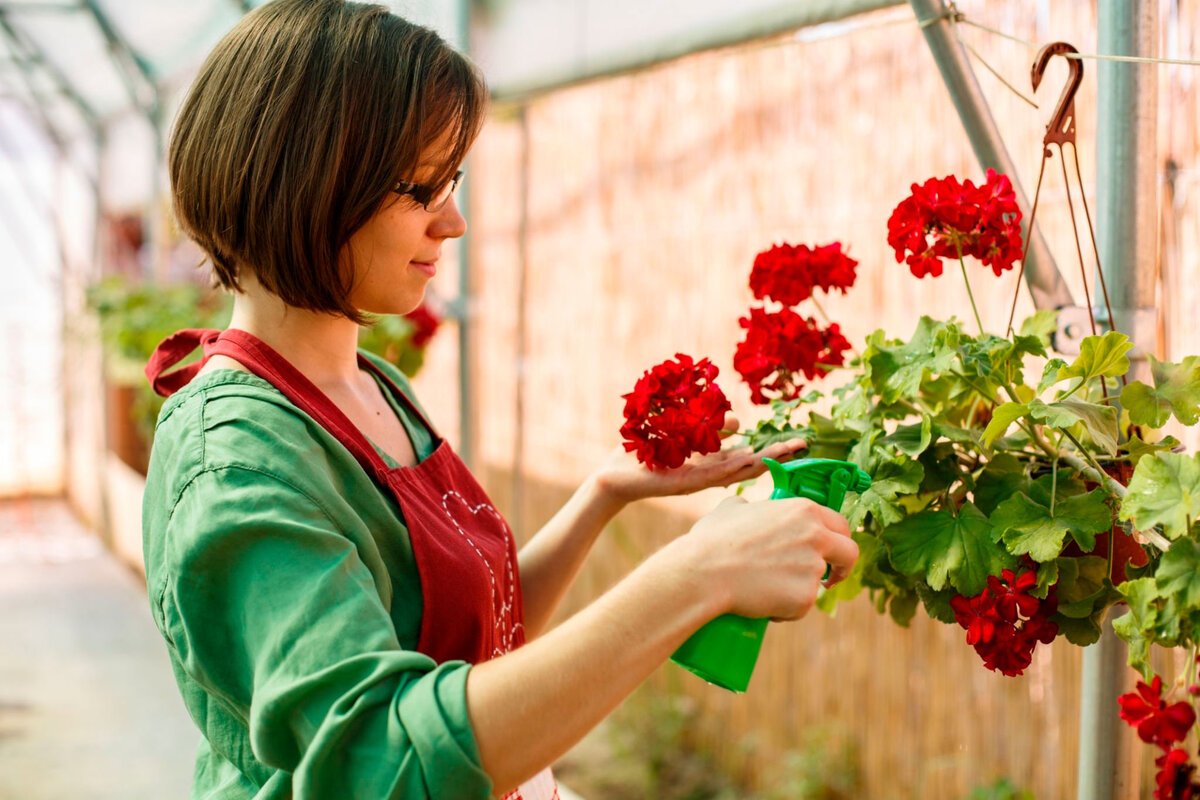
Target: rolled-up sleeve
(275, 615)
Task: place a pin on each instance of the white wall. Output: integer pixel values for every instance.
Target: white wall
(31, 393)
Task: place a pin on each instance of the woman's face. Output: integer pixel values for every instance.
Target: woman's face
(396, 253)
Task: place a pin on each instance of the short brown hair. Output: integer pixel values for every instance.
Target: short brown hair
(299, 124)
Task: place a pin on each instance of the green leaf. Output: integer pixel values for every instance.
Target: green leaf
(1041, 324)
(766, 433)
(897, 371)
(1137, 627)
(1176, 390)
(1028, 527)
(1102, 355)
(937, 604)
(1180, 385)
(1164, 490)
(1003, 416)
(1003, 477)
(893, 479)
(941, 468)
(902, 608)
(1100, 420)
(1047, 576)
(947, 550)
(1068, 485)
(829, 440)
(1050, 374)
(1080, 582)
(1178, 573)
(1138, 447)
(1145, 405)
(1079, 632)
(912, 440)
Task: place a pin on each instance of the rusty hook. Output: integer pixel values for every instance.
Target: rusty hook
(1061, 128)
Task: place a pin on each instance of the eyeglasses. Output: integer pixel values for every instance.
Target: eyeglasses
(433, 198)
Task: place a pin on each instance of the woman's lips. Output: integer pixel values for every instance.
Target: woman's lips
(428, 267)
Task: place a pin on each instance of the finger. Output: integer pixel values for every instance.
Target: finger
(730, 426)
(783, 451)
(839, 553)
(833, 520)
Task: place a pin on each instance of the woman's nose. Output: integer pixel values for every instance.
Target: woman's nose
(448, 223)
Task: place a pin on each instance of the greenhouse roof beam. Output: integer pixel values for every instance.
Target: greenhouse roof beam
(29, 55)
(54, 8)
(135, 71)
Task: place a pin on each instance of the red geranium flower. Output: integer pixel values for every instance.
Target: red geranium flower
(977, 615)
(1005, 622)
(944, 218)
(1012, 595)
(788, 274)
(674, 410)
(1157, 723)
(1174, 778)
(425, 324)
(781, 346)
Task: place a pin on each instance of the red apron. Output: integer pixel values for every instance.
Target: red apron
(466, 555)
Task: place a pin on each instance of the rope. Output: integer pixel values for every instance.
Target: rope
(957, 17)
(992, 70)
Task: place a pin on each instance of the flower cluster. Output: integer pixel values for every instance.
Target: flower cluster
(944, 218)
(779, 347)
(425, 324)
(788, 274)
(1005, 621)
(1163, 725)
(674, 410)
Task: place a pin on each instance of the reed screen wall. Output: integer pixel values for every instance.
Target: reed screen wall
(614, 224)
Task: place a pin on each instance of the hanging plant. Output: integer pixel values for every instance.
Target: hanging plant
(1014, 494)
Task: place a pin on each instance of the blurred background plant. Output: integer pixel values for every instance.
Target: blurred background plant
(1001, 789)
(648, 748)
(135, 315)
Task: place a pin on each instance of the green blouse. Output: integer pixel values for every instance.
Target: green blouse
(282, 578)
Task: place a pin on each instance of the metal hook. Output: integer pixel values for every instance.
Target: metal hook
(1061, 128)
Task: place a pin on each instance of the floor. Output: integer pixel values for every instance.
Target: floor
(88, 707)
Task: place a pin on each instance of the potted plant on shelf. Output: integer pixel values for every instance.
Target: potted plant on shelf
(136, 315)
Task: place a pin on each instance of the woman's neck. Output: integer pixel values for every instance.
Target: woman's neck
(322, 346)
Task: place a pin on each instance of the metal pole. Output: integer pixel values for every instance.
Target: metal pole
(1127, 238)
(1045, 283)
(463, 303)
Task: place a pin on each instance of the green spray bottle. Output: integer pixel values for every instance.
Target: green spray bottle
(724, 651)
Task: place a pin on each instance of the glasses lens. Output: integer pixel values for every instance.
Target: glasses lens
(442, 195)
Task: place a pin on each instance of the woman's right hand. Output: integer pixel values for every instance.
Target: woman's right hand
(764, 559)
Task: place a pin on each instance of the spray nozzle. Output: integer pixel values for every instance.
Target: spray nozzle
(822, 480)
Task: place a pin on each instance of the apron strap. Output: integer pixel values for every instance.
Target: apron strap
(365, 363)
(170, 352)
(262, 360)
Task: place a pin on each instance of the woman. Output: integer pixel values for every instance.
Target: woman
(345, 611)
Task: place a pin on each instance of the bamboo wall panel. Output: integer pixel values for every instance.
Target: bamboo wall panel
(648, 196)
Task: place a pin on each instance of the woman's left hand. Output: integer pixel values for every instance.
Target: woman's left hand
(626, 479)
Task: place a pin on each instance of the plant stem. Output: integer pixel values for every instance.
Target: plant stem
(1074, 389)
(1053, 484)
(981, 392)
(1093, 468)
(970, 294)
(1096, 473)
(828, 321)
